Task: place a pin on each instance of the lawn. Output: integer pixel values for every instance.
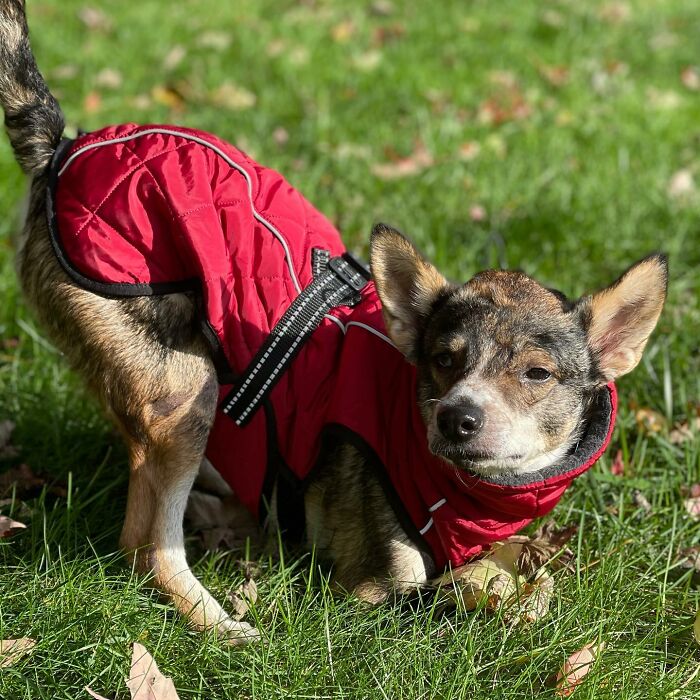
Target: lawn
(562, 138)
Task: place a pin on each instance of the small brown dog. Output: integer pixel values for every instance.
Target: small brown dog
(507, 374)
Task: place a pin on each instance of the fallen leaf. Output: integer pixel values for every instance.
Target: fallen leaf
(692, 491)
(215, 40)
(685, 431)
(368, 60)
(66, 71)
(617, 468)
(233, 97)
(243, 597)
(174, 57)
(382, 8)
(92, 102)
(650, 421)
(689, 558)
(95, 19)
(12, 650)
(681, 184)
(343, 31)
(615, 12)
(576, 668)
(491, 580)
(692, 506)
(469, 150)
(557, 76)
(7, 427)
(641, 501)
(690, 78)
(505, 108)
(388, 34)
(696, 628)
(477, 213)
(93, 694)
(168, 96)
(109, 78)
(9, 527)
(145, 681)
(280, 136)
(22, 479)
(533, 600)
(417, 162)
(546, 547)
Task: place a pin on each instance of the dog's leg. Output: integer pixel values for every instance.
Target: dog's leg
(166, 451)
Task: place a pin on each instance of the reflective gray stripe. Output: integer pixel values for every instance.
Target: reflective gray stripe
(202, 142)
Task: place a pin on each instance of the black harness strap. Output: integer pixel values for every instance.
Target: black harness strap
(337, 281)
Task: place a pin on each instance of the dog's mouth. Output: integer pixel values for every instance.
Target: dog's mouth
(474, 460)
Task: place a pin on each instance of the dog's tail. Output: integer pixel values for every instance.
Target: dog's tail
(33, 119)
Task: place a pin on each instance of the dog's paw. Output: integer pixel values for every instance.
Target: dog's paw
(237, 633)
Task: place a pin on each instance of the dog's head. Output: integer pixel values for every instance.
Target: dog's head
(506, 368)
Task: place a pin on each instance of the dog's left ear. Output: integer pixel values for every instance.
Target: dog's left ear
(622, 316)
(407, 285)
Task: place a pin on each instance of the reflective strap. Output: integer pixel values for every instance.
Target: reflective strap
(336, 281)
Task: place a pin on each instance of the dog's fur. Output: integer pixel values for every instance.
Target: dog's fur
(527, 358)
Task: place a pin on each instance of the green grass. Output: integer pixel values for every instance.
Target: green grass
(573, 193)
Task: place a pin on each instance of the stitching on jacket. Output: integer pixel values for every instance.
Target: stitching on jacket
(124, 177)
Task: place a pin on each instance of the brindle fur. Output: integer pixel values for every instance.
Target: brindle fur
(147, 362)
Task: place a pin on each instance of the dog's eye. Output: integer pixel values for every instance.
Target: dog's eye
(538, 374)
(444, 360)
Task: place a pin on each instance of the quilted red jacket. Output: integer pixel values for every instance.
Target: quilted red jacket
(138, 210)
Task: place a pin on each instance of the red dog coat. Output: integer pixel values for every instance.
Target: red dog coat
(137, 210)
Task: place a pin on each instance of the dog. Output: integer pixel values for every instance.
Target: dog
(403, 423)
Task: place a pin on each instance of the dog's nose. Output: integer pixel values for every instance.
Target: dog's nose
(459, 423)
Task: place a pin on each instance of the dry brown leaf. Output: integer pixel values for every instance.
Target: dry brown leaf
(617, 468)
(95, 19)
(641, 501)
(92, 102)
(685, 431)
(690, 78)
(174, 57)
(168, 96)
(469, 150)
(343, 31)
(233, 97)
(557, 76)
(681, 185)
(109, 78)
(388, 33)
(93, 694)
(615, 12)
(692, 506)
(477, 213)
(417, 162)
(243, 597)
(145, 681)
(9, 527)
(649, 420)
(534, 599)
(576, 668)
(547, 547)
(215, 40)
(12, 650)
(382, 8)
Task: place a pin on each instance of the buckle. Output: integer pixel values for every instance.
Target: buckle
(348, 272)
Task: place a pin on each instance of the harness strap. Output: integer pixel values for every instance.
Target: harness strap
(337, 281)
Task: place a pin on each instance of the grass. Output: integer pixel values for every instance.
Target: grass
(572, 193)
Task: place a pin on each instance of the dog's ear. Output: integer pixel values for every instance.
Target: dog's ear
(407, 285)
(622, 316)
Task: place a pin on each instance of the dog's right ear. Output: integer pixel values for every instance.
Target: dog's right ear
(407, 285)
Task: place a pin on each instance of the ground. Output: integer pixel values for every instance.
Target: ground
(561, 138)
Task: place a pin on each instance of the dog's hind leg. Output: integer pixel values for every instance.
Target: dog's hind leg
(167, 437)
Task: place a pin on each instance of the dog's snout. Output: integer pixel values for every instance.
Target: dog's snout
(459, 423)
